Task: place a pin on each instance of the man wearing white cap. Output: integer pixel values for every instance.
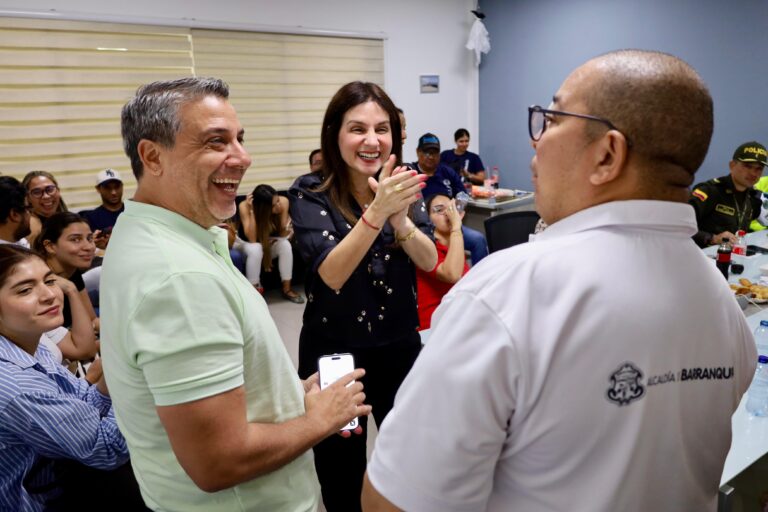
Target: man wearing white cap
(102, 219)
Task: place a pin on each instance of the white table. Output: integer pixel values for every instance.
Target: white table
(750, 434)
(480, 209)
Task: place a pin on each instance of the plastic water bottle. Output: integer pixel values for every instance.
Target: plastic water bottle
(761, 338)
(740, 245)
(757, 395)
(495, 178)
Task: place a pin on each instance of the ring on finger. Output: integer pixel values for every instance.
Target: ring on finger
(398, 187)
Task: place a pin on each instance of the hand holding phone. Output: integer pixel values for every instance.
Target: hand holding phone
(332, 368)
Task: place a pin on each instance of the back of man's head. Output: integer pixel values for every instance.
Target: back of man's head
(12, 196)
(659, 102)
(153, 113)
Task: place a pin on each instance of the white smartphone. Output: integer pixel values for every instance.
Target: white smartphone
(333, 367)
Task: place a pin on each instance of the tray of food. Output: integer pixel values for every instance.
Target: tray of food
(757, 292)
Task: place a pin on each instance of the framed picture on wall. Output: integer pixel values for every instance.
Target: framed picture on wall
(429, 84)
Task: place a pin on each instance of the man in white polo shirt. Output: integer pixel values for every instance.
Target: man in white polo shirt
(600, 364)
(205, 393)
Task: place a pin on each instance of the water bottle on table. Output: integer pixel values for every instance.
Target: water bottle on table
(761, 338)
(757, 395)
(739, 244)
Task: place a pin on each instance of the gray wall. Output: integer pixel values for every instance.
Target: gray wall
(535, 44)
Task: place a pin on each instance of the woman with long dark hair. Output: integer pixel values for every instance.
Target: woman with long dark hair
(354, 230)
(66, 243)
(265, 234)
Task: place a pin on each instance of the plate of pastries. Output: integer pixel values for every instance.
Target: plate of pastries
(757, 292)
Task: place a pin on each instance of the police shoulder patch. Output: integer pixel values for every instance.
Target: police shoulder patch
(699, 194)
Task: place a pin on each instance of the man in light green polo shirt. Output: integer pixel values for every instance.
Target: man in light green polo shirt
(205, 393)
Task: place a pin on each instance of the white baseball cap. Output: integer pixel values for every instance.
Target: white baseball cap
(107, 175)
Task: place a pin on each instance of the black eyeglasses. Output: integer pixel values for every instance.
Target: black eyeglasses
(538, 121)
(38, 192)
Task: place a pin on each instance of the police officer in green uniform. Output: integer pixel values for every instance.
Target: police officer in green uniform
(727, 204)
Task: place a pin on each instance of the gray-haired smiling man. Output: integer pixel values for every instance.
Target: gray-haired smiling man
(209, 402)
(597, 367)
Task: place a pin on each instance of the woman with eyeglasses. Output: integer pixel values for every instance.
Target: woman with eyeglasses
(66, 243)
(44, 199)
(353, 228)
(451, 261)
(460, 159)
(47, 416)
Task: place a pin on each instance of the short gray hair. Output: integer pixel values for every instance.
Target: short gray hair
(152, 113)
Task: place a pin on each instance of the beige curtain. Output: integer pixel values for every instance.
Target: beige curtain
(63, 83)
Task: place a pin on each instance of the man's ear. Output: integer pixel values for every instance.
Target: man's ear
(611, 152)
(149, 152)
(15, 216)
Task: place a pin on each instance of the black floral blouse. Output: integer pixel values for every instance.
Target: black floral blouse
(377, 304)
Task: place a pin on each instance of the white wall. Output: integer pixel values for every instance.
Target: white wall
(422, 37)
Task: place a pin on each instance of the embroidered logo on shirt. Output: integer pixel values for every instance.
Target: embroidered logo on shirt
(625, 385)
(699, 194)
(725, 209)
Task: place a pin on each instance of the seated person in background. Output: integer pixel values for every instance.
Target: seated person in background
(444, 180)
(45, 412)
(102, 218)
(266, 230)
(728, 204)
(761, 222)
(44, 197)
(403, 132)
(464, 162)
(451, 264)
(66, 243)
(316, 160)
(14, 214)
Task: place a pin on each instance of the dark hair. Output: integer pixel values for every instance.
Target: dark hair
(266, 221)
(12, 255)
(54, 227)
(153, 114)
(337, 181)
(431, 198)
(313, 153)
(44, 174)
(461, 132)
(12, 196)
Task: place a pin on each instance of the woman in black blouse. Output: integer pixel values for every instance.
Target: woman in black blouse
(353, 228)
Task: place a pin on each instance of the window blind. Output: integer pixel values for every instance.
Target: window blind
(280, 85)
(62, 85)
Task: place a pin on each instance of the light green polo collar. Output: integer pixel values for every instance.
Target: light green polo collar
(177, 223)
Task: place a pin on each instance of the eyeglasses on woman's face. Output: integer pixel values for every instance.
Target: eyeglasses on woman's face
(37, 193)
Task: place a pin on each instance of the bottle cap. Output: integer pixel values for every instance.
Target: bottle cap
(764, 323)
(762, 359)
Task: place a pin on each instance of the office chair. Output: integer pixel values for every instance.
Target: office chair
(509, 229)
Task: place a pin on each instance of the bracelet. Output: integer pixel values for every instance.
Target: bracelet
(362, 217)
(411, 234)
(455, 231)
